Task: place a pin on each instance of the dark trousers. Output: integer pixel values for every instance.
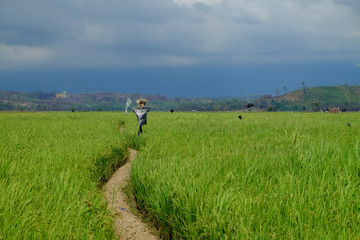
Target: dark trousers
(140, 130)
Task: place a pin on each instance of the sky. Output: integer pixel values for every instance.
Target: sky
(178, 48)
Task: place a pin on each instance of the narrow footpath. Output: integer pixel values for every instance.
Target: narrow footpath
(127, 224)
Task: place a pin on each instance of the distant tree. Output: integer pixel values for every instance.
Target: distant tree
(315, 106)
(41, 95)
(285, 89)
(303, 87)
(271, 109)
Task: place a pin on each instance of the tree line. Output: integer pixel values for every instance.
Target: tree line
(312, 99)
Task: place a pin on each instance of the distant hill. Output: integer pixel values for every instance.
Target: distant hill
(107, 101)
(316, 98)
(43, 101)
(306, 99)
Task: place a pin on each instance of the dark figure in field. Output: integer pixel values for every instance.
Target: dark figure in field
(141, 113)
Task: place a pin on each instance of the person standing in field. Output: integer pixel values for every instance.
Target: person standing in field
(141, 113)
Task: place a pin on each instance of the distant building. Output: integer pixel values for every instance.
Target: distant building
(61, 95)
(335, 110)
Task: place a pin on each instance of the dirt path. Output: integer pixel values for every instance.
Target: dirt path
(127, 225)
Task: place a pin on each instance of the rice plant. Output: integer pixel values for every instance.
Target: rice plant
(267, 175)
(51, 167)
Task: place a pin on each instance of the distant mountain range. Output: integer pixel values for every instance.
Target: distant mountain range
(345, 97)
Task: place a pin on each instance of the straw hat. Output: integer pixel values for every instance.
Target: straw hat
(141, 102)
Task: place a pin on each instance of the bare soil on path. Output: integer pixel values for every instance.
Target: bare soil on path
(127, 224)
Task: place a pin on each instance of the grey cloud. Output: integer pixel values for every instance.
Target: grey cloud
(352, 4)
(139, 32)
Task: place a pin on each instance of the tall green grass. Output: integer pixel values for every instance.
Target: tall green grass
(199, 175)
(267, 176)
(51, 167)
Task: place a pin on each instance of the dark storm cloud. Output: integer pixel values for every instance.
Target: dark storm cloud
(137, 33)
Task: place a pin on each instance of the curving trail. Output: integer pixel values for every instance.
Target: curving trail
(127, 224)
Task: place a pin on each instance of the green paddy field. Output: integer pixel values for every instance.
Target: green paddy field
(197, 175)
